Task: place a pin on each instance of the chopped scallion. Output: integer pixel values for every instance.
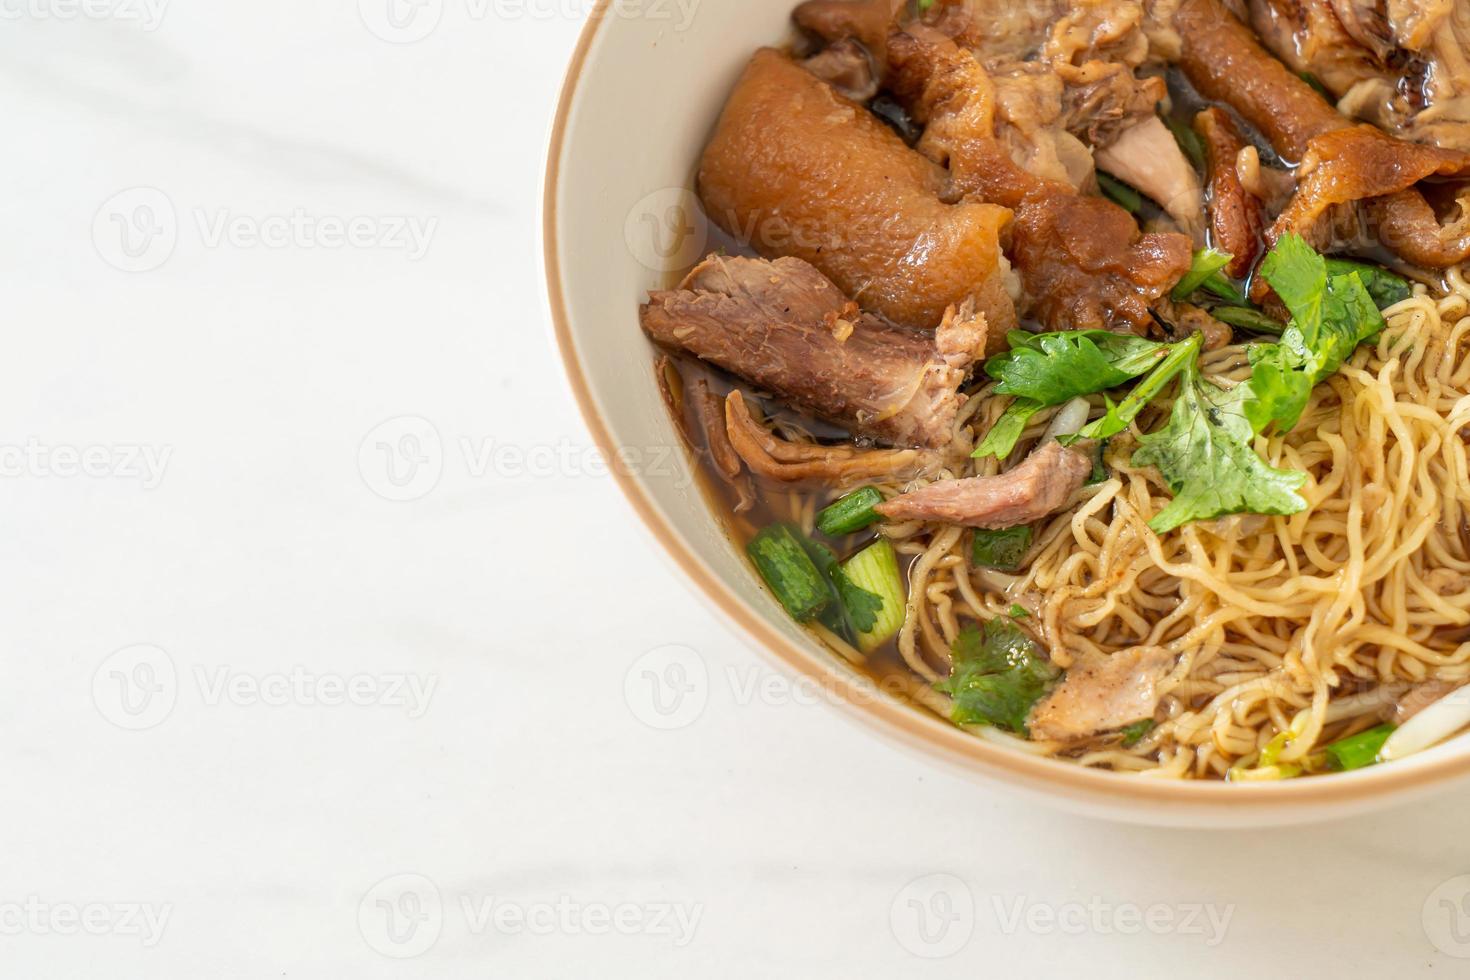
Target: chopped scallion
(1189, 141)
(1119, 193)
(875, 570)
(1248, 319)
(1134, 733)
(1357, 751)
(783, 562)
(1207, 262)
(850, 513)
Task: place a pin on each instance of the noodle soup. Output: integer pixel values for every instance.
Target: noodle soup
(1172, 509)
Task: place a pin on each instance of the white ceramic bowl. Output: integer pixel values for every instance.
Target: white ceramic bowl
(643, 91)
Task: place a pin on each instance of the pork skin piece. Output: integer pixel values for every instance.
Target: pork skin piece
(1237, 219)
(786, 328)
(1083, 262)
(795, 169)
(1226, 63)
(1042, 485)
(1339, 162)
(1361, 163)
(1100, 694)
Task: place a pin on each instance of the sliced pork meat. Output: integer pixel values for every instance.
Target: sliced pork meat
(1406, 224)
(1082, 260)
(697, 411)
(864, 21)
(786, 328)
(709, 413)
(774, 458)
(1041, 485)
(1419, 697)
(1102, 693)
(1147, 156)
(1362, 162)
(1102, 100)
(1237, 217)
(847, 67)
(1339, 163)
(795, 169)
(1028, 122)
(1399, 64)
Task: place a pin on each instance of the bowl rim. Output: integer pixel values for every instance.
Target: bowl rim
(935, 737)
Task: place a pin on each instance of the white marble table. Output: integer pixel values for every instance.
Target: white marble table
(320, 616)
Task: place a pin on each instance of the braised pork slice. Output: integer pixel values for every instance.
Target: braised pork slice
(788, 329)
(839, 467)
(1399, 64)
(1225, 62)
(795, 169)
(1408, 226)
(1237, 218)
(1043, 484)
(846, 66)
(1082, 260)
(1101, 693)
(1339, 163)
(1360, 163)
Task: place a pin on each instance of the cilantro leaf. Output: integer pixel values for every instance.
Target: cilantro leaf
(1298, 274)
(1279, 390)
(1052, 368)
(1207, 459)
(996, 676)
(1330, 317)
(1386, 288)
(1118, 417)
(1003, 435)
